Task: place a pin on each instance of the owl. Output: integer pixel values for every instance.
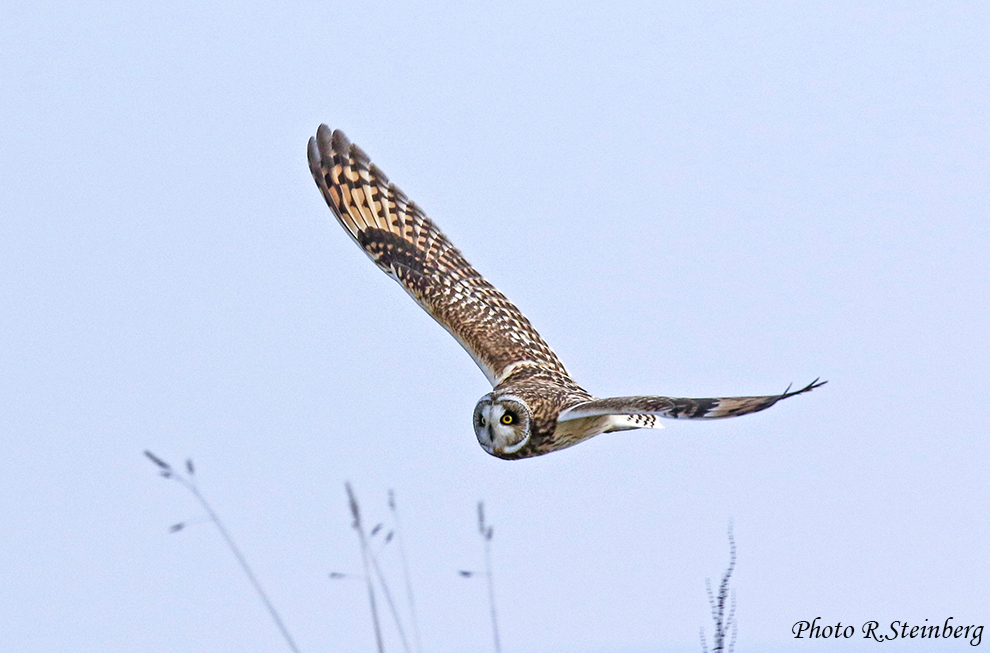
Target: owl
(535, 407)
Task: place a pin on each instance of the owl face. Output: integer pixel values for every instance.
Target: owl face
(502, 424)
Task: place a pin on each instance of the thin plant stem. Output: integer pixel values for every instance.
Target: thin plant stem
(388, 599)
(724, 624)
(405, 571)
(486, 536)
(355, 511)
(245, 566)
(190, 485)
(491, 594)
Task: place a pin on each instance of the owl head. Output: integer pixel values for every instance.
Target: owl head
(502, 424)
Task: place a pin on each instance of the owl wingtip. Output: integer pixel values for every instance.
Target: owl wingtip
(324, 142)
(817, 383)
(313, 154)
(339, 140)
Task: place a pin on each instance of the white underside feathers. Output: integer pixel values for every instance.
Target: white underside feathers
(624, 422)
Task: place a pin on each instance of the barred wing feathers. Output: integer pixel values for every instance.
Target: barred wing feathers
(407, 246)
(637, 409)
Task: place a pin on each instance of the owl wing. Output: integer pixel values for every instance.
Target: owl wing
(636, 411)
(408, 247)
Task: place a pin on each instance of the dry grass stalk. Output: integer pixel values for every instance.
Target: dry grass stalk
(356, 513)
(486, 536)
(388, 599)
(724, 623)
(188, 481)
(405, 571)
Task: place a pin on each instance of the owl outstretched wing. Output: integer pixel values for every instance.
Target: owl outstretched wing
(635, 412)
(407, 246)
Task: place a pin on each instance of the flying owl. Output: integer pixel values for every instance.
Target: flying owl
(535, 406)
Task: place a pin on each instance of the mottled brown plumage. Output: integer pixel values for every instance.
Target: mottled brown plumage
(535, 407)
(406, 244)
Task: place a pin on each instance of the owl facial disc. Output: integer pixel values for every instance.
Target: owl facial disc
(502, 424)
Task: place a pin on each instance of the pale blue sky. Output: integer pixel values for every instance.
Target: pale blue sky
(696, 200)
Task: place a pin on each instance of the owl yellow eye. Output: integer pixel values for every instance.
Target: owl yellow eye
(508, 418)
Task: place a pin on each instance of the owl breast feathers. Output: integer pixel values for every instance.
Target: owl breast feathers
(535, 407)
